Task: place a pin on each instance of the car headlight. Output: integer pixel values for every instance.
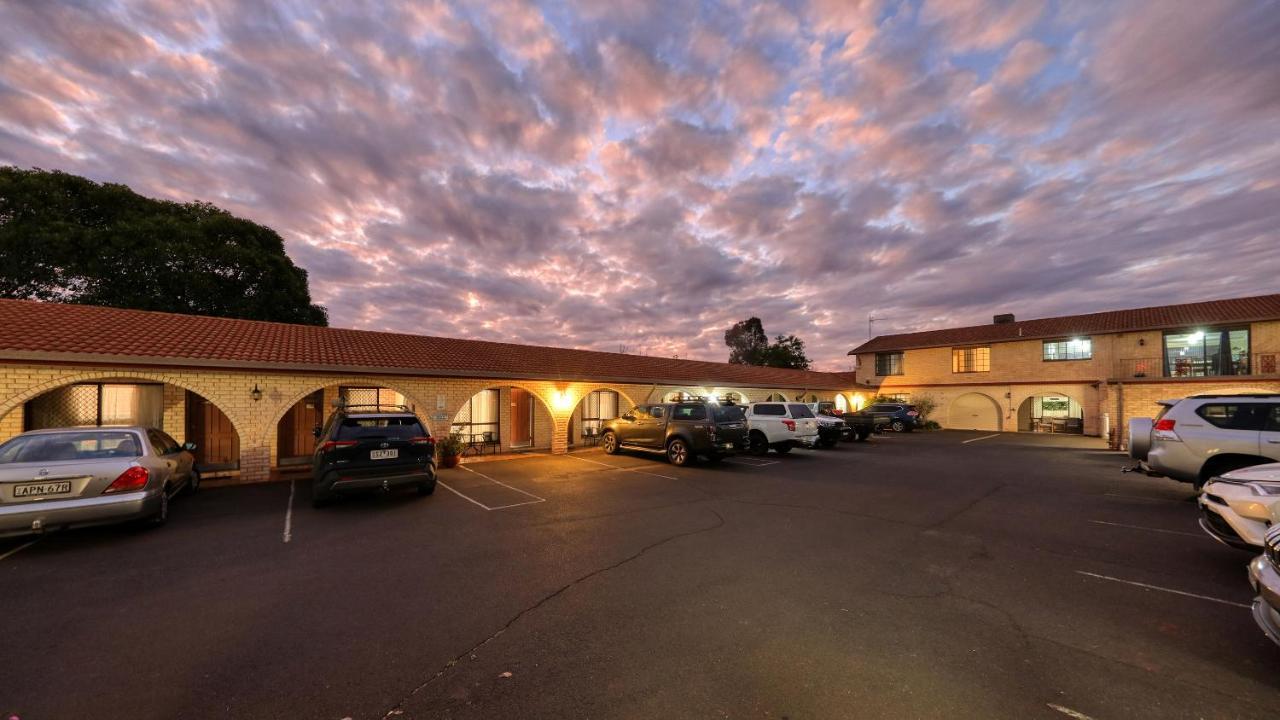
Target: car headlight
(1267, 489)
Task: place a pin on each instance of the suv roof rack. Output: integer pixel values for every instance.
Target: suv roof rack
(1235, 395)
(340, 405)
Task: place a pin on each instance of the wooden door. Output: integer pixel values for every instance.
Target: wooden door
(521, 417)
(217, 445)
(295, 436)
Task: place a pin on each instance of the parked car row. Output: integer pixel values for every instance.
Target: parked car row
(689, 430)
(1228, 446)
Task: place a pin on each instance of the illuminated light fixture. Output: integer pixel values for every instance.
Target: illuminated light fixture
(255, 393)
(1196, 336)
(561, 400)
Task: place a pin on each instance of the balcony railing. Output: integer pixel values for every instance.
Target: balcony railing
(1258, 364)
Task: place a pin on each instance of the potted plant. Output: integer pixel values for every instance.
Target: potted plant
(449, 450)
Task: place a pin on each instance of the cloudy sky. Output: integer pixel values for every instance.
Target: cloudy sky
(643, 174)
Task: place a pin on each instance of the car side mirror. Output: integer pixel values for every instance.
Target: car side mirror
(189, 446)
(315, 432)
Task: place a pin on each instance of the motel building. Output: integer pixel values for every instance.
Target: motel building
(249, 394)
(1083, 374)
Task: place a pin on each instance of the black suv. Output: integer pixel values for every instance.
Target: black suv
(684, 430)
(364, 447)
(899, 417)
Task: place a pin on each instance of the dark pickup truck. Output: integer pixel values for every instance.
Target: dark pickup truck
(683, 430)
(861, 425)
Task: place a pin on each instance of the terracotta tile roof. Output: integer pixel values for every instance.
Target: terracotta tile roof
(83, 333)
(1213, 312)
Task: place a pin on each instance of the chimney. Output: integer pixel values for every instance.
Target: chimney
(1002, 319)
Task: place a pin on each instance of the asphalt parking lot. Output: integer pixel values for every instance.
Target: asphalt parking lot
(928, 575)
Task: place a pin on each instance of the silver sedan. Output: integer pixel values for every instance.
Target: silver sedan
(72, 477)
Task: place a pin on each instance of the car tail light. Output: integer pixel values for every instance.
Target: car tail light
(135, 478)
(335, 444)
(428, 440)
(791, 425)
(912, 413)
(1163, 429)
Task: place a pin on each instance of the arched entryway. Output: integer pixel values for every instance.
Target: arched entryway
(681, 396)
(975, 411)
(184, 415)
(776, 397)
(296, 427)
(1051, 413)
(502, 418)
(594, 410)
(842, 404)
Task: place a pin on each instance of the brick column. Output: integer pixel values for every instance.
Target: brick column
(560, 435)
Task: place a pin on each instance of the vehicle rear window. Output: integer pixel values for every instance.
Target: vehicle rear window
(800, 411)
(769, 409)
(1234, 416)
(689, 412)
(84, 445)
(728, 413)
(395, 428)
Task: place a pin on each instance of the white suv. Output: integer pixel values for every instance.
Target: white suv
(781, 426)
(1238, 507)
(1203, 436)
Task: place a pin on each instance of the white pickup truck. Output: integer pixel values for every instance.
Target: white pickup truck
(781, 426)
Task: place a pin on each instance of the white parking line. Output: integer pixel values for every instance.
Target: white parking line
(619, 467)
(288, 514)
(1069, 712)
(1202, 536)
(20, 548)
(1164, 589)
(472, 500)
(984, 437)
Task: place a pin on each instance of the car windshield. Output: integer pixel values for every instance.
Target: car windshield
(800, 411)
(380, 428)
(77, 445)
(729, 413)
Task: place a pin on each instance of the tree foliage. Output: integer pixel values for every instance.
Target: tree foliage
(749, 345)
(65, 238)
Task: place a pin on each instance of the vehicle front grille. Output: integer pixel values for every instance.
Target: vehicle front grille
(1273, 546)
(1219, 525)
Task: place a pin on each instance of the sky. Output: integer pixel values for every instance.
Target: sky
(639, 176)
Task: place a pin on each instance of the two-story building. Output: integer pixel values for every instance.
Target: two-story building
(1078, 373)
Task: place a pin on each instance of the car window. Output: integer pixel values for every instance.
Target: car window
(366, 428)
(728, 413)
(1273, 419)
(158, 443)
(174, 444)
(690, 411)
(769, 409)
(79, 445)
(1234, 416)
(657, 411)
(800, 410)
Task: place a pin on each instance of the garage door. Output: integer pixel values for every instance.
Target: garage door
(974, 411)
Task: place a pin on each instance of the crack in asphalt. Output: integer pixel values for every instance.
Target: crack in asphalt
(398, 708)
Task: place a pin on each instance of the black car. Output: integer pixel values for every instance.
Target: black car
(372, 447)
(899, 417)
(684, 430)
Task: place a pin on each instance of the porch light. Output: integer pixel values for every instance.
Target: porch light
(1196, 336)
(561, 400)
(255, 393)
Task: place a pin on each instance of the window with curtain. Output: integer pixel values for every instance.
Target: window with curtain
(1073, 349)
(889, 363)
(598, 406)
(974, 359)
(478, 417)
(97, 404)
(1206, 353)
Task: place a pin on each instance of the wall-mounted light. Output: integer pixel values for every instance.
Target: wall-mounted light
(255, 393)
(562, 400)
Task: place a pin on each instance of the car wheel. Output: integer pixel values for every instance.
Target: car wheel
(757, 444)
(678, 452)
(193, 483)
(426, 488)
(610, 443)
(782, 448)
(898, 426)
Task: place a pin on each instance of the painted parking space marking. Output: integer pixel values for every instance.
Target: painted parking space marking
(628, 469)
(287, 535)
(1171, 591)
(1069, 712)
(1202, 536)
(750, 461)
(20, 548)
(534, 499)
(984, 437)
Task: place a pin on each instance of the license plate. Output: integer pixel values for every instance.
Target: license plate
(30, 490)
(383, 454)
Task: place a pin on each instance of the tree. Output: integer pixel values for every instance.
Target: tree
(749, 345)
(65, 238)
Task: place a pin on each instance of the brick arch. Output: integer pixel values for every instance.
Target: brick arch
(271, 427)
(470, 388)
(240, 423)
(1020, 399)
(587, 389)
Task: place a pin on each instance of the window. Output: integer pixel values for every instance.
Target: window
(1273, 419)
(769, 409)
(83, 445)
(1073, 349)
(889, 363)
(657, 411)
(598, 406)
(1206, 353)
(163, 444)
(1241, 416)
(728, 413)
(689, 412)
(478, 418)
(900, 397)
(975, 359)
(800, 411)
(97, 404)
(371, 396)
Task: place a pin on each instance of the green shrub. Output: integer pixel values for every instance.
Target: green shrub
(450, 445)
